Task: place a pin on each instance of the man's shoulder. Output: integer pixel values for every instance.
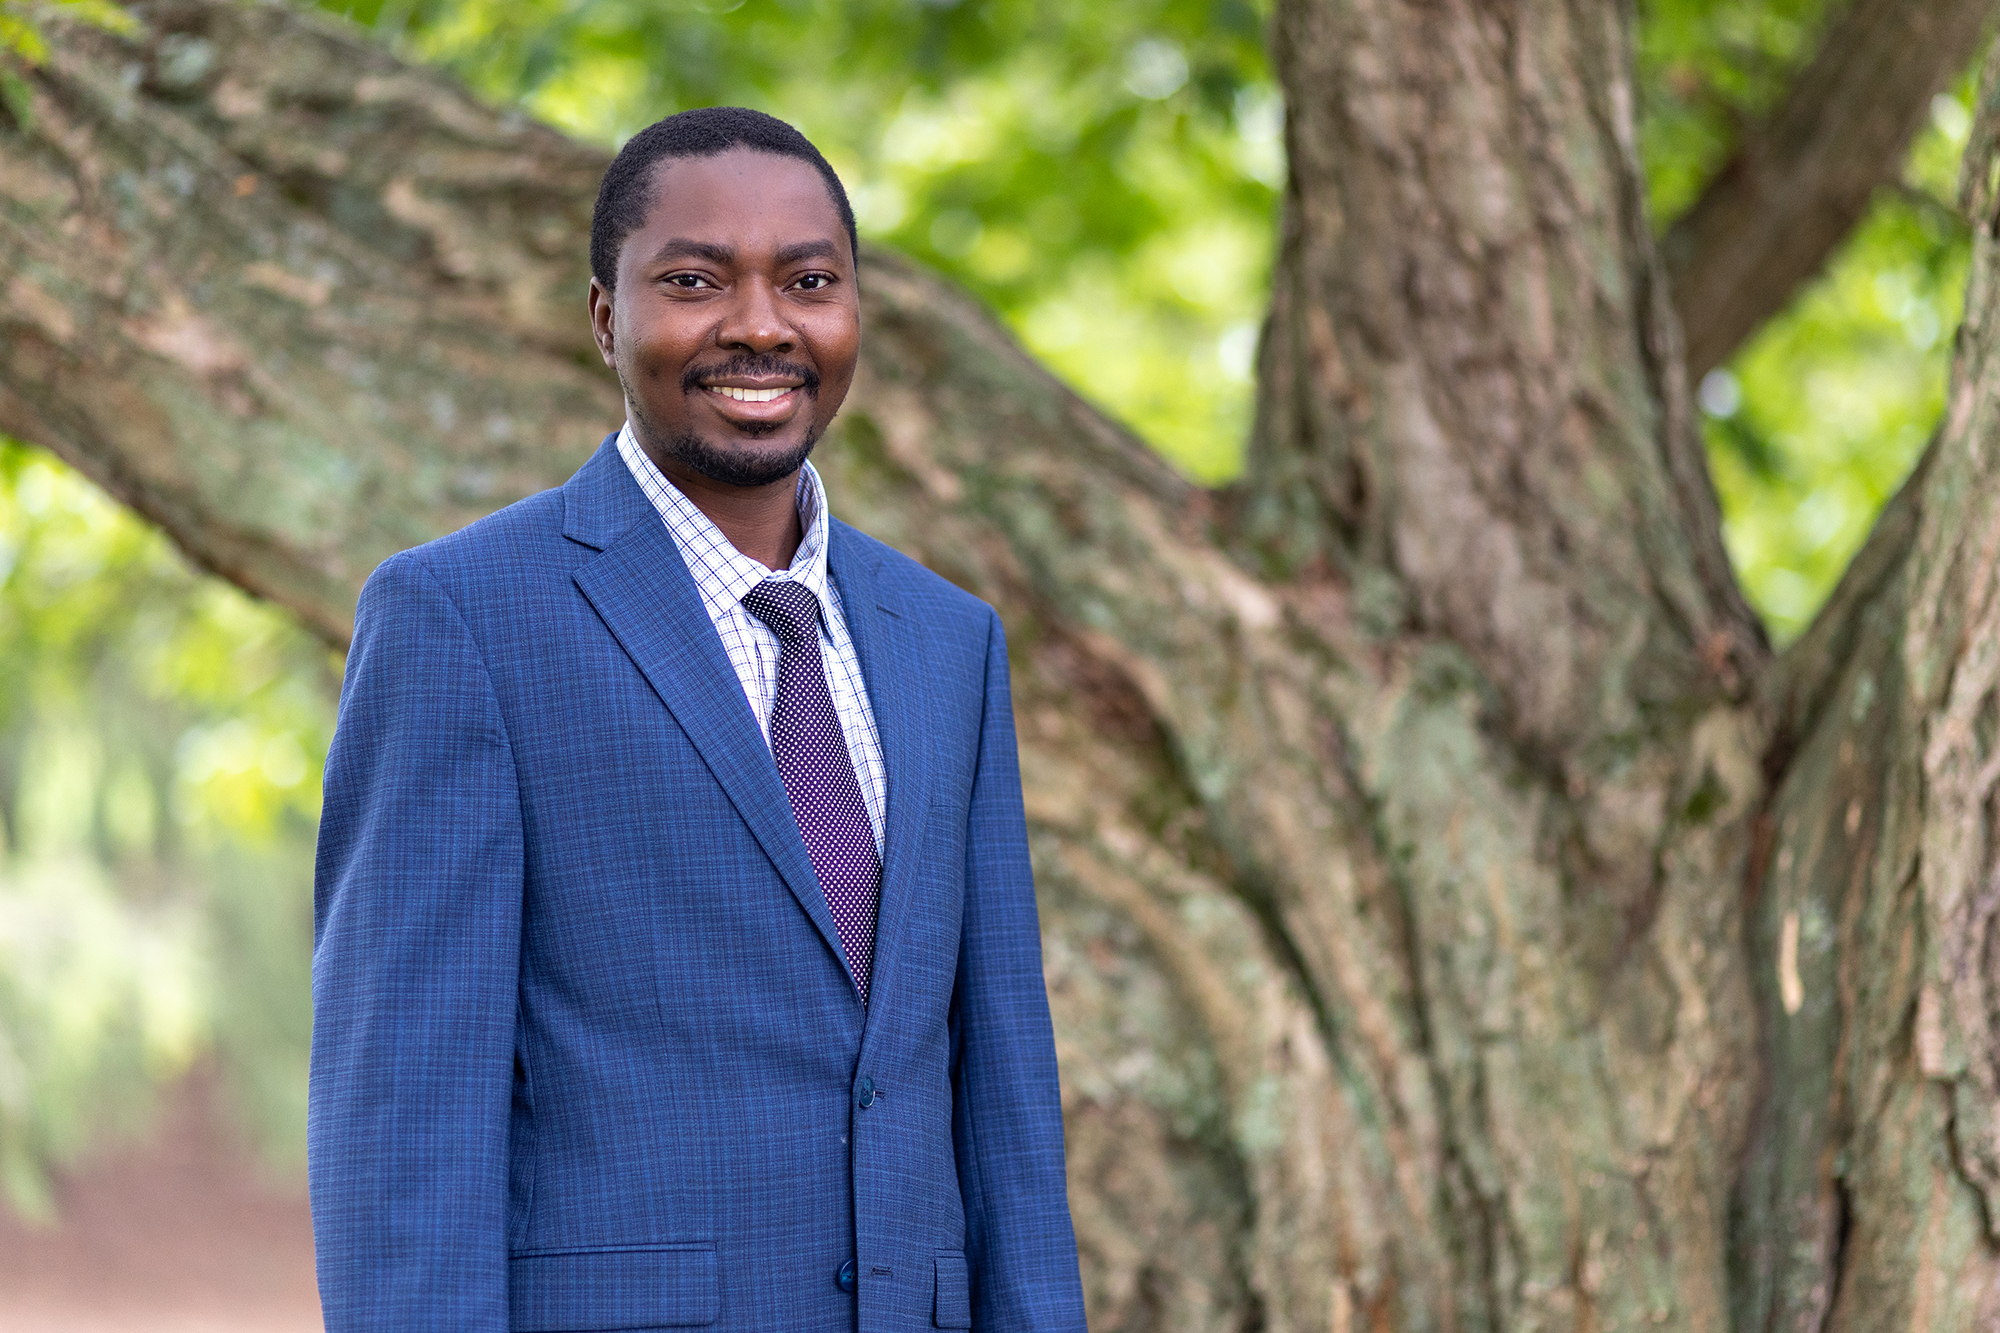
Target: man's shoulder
(544, 536)
(524, 541)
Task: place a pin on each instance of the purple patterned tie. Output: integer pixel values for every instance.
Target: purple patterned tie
(811, 751)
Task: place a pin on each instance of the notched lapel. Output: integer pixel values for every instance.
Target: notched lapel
(890, 646)
(641, 588)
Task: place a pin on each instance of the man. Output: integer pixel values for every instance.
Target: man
(676, 957)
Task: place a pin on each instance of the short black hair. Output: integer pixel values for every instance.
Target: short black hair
(624, 194)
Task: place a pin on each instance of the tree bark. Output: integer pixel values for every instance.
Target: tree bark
(1455, 917)
(1800, 180)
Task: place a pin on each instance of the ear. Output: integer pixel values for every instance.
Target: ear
(601, 323)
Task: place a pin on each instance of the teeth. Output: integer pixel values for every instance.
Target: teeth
(748, 395)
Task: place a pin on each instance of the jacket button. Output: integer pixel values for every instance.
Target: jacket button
(844, 1279)
(867, 1097)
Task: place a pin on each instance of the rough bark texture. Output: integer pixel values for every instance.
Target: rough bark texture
(1803, 177)
(1455, 917)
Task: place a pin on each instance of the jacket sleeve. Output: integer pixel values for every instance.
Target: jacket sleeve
(1007, 1116)
(416, 945)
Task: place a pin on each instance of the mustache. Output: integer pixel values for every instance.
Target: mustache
(762, 367)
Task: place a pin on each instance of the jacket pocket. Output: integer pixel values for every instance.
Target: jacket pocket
(612, 1287)
(953, 1306)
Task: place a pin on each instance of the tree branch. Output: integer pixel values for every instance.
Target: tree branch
(1796, 187)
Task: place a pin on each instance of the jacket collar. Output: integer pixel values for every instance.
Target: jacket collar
(601, 503)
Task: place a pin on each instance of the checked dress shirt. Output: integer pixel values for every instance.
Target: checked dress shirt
(722, 574)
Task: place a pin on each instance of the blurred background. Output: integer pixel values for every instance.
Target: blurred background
(1105, 175)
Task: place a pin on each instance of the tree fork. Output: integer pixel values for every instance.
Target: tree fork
(1396, 812)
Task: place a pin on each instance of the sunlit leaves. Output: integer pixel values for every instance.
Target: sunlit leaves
(159, 732)
(1707, 68)
(1820, 417)
(101, 997)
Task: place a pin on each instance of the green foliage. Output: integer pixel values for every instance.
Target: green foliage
(1707, 68)
(1819, 418)
(1817, 421)
(161, 736)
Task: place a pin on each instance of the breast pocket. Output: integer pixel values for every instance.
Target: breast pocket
(952, 1307)
(612, 1287)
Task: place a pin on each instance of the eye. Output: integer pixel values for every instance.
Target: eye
(813, 282)
(687, 282)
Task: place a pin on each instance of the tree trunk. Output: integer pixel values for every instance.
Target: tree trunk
(1456, 918)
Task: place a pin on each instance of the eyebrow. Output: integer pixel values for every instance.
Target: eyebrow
(682, 248)
(679, 248)
(792, 254)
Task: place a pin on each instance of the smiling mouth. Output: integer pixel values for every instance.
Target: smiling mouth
(749, 395)
(752, 380)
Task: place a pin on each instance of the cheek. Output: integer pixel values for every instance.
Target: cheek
(655, 346)
(836, 345)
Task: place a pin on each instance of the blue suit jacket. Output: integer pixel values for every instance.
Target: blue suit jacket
(585, 1055)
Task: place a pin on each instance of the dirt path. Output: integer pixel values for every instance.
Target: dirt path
(180, 1233)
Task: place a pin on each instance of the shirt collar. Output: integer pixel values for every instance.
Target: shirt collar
(722, 574)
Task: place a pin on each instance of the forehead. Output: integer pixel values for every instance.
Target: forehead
(742, 198)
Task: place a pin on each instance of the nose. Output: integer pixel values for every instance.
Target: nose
(755, 321)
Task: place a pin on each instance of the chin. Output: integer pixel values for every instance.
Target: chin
(740, 464)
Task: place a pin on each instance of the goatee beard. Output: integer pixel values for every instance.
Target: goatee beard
(733, 468)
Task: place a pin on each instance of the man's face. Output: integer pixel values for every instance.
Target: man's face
(735, 325)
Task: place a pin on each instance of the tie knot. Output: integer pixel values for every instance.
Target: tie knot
(789, 608)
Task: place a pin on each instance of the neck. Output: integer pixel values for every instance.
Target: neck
(760, 521)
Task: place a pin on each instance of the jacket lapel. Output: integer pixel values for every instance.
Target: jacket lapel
(890, 646)
(641, 588)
